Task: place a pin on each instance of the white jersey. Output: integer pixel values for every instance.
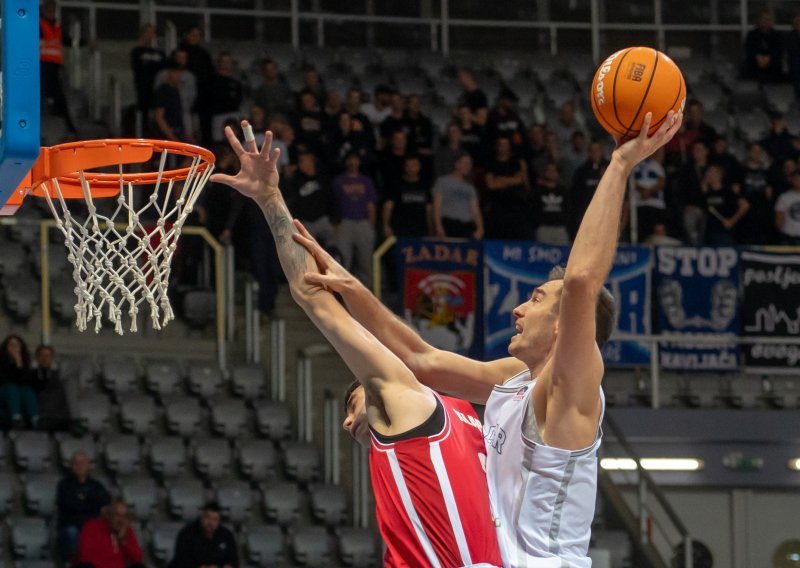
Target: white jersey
(542, 497)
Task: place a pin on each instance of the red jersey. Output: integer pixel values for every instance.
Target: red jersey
(96, 546)
(431, 495)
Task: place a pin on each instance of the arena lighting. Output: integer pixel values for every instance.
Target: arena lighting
(794, 464)
(652, 464)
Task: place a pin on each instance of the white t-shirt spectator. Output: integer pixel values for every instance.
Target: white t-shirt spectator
(646, 175)
(789, 204)
(457, 196)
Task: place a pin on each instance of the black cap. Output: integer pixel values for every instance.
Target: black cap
(508, 94)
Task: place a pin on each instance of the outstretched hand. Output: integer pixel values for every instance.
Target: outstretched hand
(258, 174)
(633, 151)
(332, 275)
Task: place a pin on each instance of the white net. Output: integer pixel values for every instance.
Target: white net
(122, 258)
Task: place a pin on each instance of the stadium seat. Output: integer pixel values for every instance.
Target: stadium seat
(67, 446)
(199, 308)
(704, 390)
(182, 416)
(693, 71)
(137, 414)
(21, 296)
(141, 493)
(432, 62)
(718, 119)
(8, 491)
(162, 540)
(747, 95)
(80, 368)
(185, 497)
(710, 95)
(93, 412)
(394, 58)
(123, 454)
(779, 97)
(792, 118)
(302, 461)
(30, 537)
(328, 504)
(212, 457)
(248, 381)
(32, 450)
(783, 393)
(743, 392)
(36, 564)
(120, 374)
(752, 126)
(228, 416)
(263, 545)
(235, 499)
(411, 84)
(40, 493)
(273, 420)
(257, 459)
(281, 502)
(167, 456)
(447, 90)
(317, 57)
(62, 298)
(205, 380)
(14, 259)
(163, 377)
(618, 388)
(357, 547)
(560, 91)
(525, 88)
(311, 546)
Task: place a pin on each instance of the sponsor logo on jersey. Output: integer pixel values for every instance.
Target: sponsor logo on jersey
(495, 437)
(521, 393)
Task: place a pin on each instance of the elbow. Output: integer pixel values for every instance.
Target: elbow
(583, 281)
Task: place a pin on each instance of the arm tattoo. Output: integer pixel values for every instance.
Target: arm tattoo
(291, 254)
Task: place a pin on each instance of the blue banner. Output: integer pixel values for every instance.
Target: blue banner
(441, 288)
(697, 292)
(513, 269)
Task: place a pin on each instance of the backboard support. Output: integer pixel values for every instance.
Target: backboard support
(20, 136)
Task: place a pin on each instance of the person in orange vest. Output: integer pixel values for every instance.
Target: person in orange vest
(51, 60)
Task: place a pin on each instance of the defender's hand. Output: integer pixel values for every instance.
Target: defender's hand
(332, 275)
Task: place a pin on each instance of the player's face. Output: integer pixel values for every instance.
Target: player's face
(356, 422)
(536, 322)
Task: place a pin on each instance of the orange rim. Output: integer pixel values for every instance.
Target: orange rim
(65, 162)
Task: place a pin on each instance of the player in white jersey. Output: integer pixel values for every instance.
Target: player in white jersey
(542, 426)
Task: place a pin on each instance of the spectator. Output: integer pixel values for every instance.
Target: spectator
(780, 177)
(391, 161)
(51, 63)
(723, 157)
(420, 129)
(309, 197)
(649, 181)
(507, 187)
(575, 155)
(407, 209)
(763, 50)
(536, 148)
(205, 543)
(17, 382)
(549, 199)
(553, 153)
(312, 82)
(258, 120)
(79, 498)
(283, 138)
(308, 123)
(357, 199)
(566, 124)
(688, 199)
(756, 227)
(378, 108)
(448, 150)
(350, 136)
(273, 94)
(332, 109)
(456, 212)
(659, 237)
(146, 61)
(779, 144)
(53, 407)
(224, 98)
(584, 183)
(216, 204)
(793, 54)
(108, 541)
(504, 121)
(471, 133)
(187, 88)
(694, 128)
(199, 60)
(724, 208)
(169, 116)
(787, 212)
(352, 106)
(396, 120)
(473, 97)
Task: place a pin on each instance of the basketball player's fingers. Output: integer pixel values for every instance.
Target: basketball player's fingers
(223, 178)
(648, 118)
(249, 137)
(318, 279)
(303, 231)
(236, 146)
(313, 249)
(276, 153)
(267, 146)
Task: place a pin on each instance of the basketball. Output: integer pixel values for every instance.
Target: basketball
(632, 82)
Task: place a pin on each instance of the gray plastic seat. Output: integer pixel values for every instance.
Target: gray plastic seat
(311, 546)
(357, 547)
(141, 494)
(185, 497)
(228, 417)
(784, 392)
(248, 382)
(205, 381)
(182, 416)
(137, 414)
(32, 450)
(212, 457)
(199, 308)
(273, 420)
(21, 296)
(79, 368)
(40, 493)
(302, 461)
(14, 259)
(123, 454)
(162, 540)
(8, 491)
(263, 545)
(30, 537)
(328, 504)
(281, 502)
(744, 392)
(120, 374)
(235, 499)
(167, 456)
(68, 446)
(257, 458)
(163, 377)
(63, 299)
(93, 412)
(753, 126)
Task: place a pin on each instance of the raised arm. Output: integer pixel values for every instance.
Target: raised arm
(398, 401)
(441, 370)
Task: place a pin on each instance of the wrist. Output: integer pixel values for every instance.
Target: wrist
(267, 195)
(618, 162)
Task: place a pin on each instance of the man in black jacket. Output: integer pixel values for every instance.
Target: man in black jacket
(205, 542)
(79, 497)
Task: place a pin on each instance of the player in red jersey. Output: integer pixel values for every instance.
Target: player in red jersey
(427, 451)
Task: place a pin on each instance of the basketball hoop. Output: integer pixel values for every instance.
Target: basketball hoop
(120, 258)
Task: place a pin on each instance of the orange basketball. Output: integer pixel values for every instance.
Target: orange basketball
(632, 82)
